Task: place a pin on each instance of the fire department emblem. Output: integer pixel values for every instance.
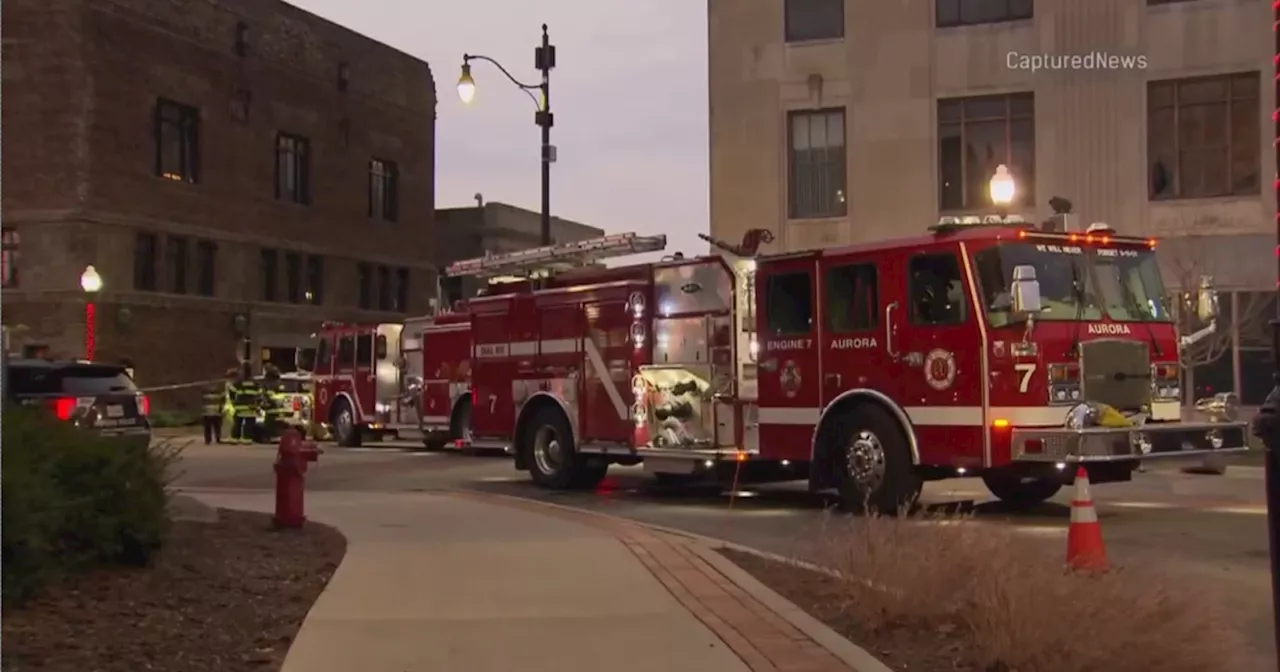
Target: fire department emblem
(998, 349)
(324, 395)
(790, 379)
(940, 369)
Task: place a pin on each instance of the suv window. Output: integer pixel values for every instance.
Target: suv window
(937, 290)
(789, 303)
(853, 298)
(72, 381)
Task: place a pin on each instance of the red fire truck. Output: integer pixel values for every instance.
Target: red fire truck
(987, 347)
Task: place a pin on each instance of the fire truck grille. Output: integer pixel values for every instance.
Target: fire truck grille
(1116, 373)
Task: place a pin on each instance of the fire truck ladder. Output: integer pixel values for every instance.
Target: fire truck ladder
(542, 261)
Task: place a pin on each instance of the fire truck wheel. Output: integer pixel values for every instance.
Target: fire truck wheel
(873, 461)
(345, 430)
(1020, 490)
(550, 455)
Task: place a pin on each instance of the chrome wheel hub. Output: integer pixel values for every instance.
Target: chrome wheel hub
(345, 421)
(865, 461)
(548, 454)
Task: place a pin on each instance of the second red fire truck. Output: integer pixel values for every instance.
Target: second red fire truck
(986, 347)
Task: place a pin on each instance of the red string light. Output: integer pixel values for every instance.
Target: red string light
(90, 330)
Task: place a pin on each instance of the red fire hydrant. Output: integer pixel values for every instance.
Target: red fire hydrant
(291, 470)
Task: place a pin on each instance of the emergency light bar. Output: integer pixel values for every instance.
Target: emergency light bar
(556, 257)
(953, 224)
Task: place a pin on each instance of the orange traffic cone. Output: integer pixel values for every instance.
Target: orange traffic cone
(1085, 548)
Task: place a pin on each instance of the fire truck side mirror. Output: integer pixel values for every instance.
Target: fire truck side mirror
(1024, 291)
(1207, 300)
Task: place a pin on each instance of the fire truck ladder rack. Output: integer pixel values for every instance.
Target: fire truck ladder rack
(541, 261)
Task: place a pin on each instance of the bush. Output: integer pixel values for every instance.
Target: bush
(162, 418)
(74, 501)
(1016, 604)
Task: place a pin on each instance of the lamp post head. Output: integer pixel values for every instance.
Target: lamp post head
(90, 281)
(1002, 187)
(466, 85)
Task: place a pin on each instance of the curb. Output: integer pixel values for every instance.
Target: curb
(704, 547)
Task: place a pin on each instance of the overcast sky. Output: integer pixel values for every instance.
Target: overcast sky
(628, 93)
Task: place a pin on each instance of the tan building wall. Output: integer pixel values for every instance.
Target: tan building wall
(893, 64)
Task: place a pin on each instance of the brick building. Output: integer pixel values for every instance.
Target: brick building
(230, 167)
(486, 228)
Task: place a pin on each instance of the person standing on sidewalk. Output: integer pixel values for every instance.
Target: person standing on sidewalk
(246, 397)
(211, 403)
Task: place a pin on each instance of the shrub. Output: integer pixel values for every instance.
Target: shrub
(164, 418)
(73, 501)
(1016, 604)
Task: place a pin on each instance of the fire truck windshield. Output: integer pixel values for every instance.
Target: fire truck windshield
(1076, 283)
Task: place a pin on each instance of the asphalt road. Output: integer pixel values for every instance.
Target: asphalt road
(1209, 532)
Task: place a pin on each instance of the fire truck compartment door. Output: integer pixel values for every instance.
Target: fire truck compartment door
(790, 379)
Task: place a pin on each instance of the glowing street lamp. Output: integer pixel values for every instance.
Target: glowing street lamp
(1002, 188)
(91, 283)
(466, 85)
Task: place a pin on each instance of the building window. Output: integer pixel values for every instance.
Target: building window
(314, 293)
(293, 277)
(817, 165)
(9, 258)
(402, 290)
(975, 135)
(385, 293)
(270, 269)
(240, 104)
(177, 131)
(206, 267)
(293, 168)
(975, 12)
(809, 20)
(145, 250)
(242, 39)
(1203, 138)
(344, 76)
(383, 178)
(365, 284)
(177, 255)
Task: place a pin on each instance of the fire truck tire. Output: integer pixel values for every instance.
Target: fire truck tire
(550, 455)
(872, 458)
(345, 429)
(1020, 491)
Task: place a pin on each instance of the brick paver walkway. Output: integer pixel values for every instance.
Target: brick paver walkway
(760, 637)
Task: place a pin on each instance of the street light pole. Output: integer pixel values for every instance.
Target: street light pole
(1267, 423)
(91, 283)
(545, 60)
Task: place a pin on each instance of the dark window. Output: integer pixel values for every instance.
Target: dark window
(937, 290)
(817, 183)
(364, 273)
(293, 168)
(324, 354)
(364, 350)
(346, 352)
(1202, 137)
(9, 257)
(853, 298)
(451, 289)
(344, 76)
(241, 104)
(383, 179)
(975, 135)
(77, 381)
(402, 290)
(975, 12)
(380, 347)
(293, 277)
(385, 293)
(315, 281)
(177, 132)
(146, 248)
(206, 268)
(177, 258)
(789, 303)
(808, 20)
(270, 269)
(242, 39)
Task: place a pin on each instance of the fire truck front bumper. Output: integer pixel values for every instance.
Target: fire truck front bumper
(1150, 442)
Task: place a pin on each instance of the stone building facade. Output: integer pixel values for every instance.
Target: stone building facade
(839, 121)
(232, 168)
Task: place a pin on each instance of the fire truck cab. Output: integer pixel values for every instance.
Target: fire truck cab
(986, 347)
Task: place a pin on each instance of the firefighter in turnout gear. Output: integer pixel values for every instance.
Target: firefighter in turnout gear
(211, 405)
(245, 398)
(274, 400)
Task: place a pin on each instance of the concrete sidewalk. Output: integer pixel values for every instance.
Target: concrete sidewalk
(462, 582)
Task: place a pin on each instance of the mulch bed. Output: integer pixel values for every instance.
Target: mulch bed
(226, 596)
(901, 648)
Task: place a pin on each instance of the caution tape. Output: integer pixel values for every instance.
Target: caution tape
(182, 386)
